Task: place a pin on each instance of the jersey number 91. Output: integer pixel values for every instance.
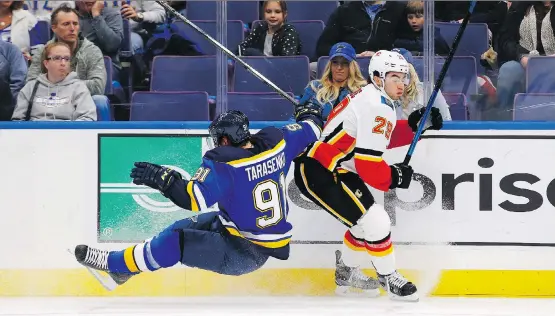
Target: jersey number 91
(270, 197)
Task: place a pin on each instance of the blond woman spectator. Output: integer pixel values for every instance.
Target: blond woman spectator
(341, 76)
(412, 103)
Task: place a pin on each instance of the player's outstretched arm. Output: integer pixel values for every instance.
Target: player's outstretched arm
(306, 131)
(309, 112)
(168, 181)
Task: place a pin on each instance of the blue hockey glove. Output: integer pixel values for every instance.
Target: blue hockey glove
(309, 111)
(154, 176)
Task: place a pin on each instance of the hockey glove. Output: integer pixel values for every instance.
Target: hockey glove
(435, 116)
(309, 111)
(154, 176)
(401, 176)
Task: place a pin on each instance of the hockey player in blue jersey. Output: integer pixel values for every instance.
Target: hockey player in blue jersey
(245, 175)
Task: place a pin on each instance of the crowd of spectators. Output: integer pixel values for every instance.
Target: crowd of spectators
(66, 78)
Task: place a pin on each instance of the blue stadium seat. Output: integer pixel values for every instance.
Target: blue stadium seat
(540, 74)
(310, 10)
(113, 88)
(169, 106)
(235, 34)
(534, 107)
(309, 32)
(474, 41)
(245, 11)
(184, 73)
(261, 106)
(457, 106)
(103, 108)
(460, 78)
(290, 73)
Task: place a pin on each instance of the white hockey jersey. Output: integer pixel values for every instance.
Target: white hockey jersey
(356, 135)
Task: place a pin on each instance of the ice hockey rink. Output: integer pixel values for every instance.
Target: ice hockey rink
(260, 305)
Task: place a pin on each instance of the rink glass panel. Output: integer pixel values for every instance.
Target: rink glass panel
(132, 213)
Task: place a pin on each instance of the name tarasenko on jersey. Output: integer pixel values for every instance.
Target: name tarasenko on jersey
(277, 163)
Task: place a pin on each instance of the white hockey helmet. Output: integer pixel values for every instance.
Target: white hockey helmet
(385, 61)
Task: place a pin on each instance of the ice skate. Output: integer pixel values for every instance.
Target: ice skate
(351, 281)
(96, 261)
(398, 287)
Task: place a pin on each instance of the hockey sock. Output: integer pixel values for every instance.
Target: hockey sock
(383, 256)
(353, 250)
(162, 251)
(377, 239)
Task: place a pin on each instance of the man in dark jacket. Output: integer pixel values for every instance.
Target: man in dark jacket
(13, 70)
(104, 27)
(367, 25)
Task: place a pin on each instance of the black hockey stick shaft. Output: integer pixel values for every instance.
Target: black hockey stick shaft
(439, 82)
(227, 51)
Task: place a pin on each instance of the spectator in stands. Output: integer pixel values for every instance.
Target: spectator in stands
(413, 98)
(142, 21)
(358, 22)
(15, 24)
(104, 27)
(529, 30)
(57, 94)
(13, 69)
(341, 76)
(273, 36)
(88, 61)
(490, 12)
(412, 35)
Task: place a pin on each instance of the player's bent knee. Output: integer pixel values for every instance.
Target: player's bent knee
(375, 223)
(239, 264)
(166, 248)
(357, 231)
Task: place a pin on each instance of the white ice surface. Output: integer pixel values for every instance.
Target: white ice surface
(269, 306)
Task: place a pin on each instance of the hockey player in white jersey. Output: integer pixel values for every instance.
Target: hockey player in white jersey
(333, 172)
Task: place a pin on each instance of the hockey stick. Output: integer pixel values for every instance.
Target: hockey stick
(439, 82)
(228, 52)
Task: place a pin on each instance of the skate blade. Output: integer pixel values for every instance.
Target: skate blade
(103, 278)
(349, 291)
(409, 298)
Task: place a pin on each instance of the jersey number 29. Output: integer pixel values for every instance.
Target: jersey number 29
(383, 123)
(269, 198)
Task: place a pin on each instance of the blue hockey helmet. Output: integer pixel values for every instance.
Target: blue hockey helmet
(232, 124)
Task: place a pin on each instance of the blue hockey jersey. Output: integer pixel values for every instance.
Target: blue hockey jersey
(249, 185)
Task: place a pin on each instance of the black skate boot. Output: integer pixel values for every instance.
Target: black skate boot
(351, 281)
(398, 287)
(96, 261)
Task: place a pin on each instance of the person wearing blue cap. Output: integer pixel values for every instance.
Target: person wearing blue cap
(342, 75)
(412, 104)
